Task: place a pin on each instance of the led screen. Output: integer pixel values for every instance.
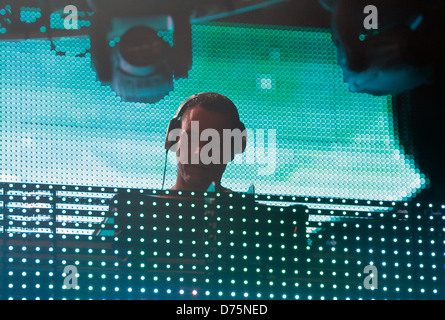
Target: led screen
(308, 135)
(327, 165)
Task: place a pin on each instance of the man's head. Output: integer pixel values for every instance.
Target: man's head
(208, 134)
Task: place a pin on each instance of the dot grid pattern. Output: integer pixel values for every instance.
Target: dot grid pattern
(29, 14)
(59, 125)
(139, 246)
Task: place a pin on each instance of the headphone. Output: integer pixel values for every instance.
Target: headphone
(175, 122)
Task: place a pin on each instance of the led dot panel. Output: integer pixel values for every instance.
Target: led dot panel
(59, 125)
(142, 244)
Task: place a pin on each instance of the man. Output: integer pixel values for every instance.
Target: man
(203, 120)
(209, 136)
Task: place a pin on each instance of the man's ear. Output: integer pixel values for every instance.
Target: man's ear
(242, 128)
(173, 126)
(244, 142)
(243, 147)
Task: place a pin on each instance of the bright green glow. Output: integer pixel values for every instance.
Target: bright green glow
(285, 79)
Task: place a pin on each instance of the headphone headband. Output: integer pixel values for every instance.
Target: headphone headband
(175, 122)
(184, 105)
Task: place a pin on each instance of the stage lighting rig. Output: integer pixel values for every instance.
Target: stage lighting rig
(402, 53)
(140, 47)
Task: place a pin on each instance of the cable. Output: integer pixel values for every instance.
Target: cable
(165, 168)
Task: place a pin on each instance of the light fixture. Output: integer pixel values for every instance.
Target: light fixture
(400, 54)
(139, 49)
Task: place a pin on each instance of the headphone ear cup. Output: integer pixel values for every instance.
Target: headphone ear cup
(174, 124)
(242, 128)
